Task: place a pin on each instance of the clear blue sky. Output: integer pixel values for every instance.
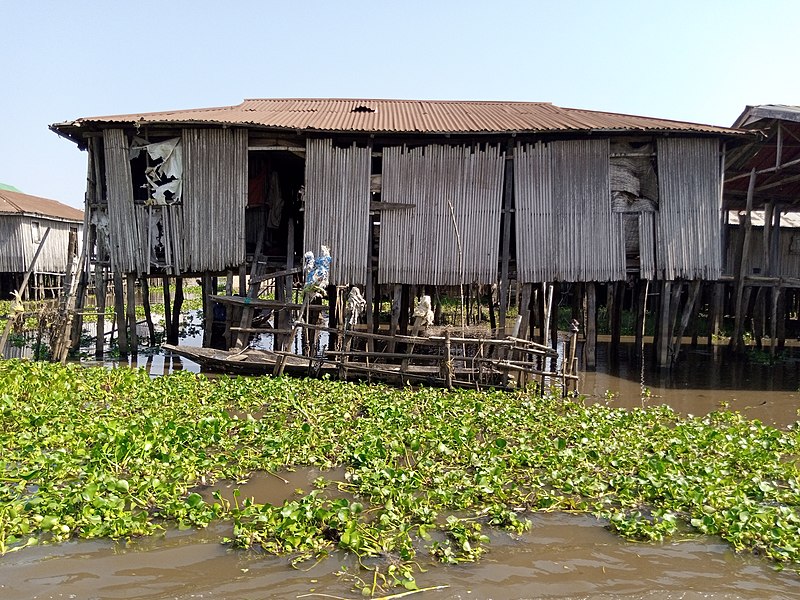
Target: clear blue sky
(699, 61)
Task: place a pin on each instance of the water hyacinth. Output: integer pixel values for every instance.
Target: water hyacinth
(88, 452)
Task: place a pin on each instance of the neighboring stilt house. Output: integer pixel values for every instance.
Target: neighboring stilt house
(762, 192)
(24, 220)
(546, 202)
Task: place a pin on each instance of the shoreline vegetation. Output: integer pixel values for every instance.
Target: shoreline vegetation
(90, 452)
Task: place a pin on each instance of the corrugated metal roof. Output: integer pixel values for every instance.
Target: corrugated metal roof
(753, 114)
(23, 204)
(402, 116)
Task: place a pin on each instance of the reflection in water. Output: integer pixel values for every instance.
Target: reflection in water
(705, 380)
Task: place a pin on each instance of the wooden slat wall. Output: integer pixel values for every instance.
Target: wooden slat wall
(647, 245)
(688, 237)
(788, 264)
(211, 217)
(566, 230)
(420, 245)
(337, 208)
(17, 247)
(127, 249)
(12, 242)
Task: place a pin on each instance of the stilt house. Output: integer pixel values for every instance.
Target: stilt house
(762, 192)
(410, 193)
(24, 220)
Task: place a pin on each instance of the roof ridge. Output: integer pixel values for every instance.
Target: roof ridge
(411, 100)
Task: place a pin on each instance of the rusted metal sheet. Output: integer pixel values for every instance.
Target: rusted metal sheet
(688, 236)
(337, 207)
(401, 116)
(566, 230)
(450, 234)
(25, 204)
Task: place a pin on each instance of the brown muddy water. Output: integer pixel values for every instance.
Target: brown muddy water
(564, 556)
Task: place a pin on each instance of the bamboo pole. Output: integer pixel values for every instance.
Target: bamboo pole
(737, 341)
(131, 314)
(23, 286)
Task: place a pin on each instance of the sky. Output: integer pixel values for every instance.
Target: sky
(701, 61)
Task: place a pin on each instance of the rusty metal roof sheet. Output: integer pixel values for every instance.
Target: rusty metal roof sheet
(401, 116)
(23, 204)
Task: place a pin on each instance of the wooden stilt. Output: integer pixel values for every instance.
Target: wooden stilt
(208, 312)
(131, 313)
(167, 309)
(23, 287)
(590, 347)
(395, 319)
(675, 302)
(552, 313)
(177, 305)
(405, 306)
(773, 320)
(759, 316)
(100, 307)
(781, 318)
(525, 310)
(642, 288)
(664, 333)
(615, 317)
(688, 310)
(119, 312)
(717, 311)
(151, 330)
(737, 341)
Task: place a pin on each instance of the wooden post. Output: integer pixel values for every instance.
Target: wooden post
(552, 312)
(773, 320)
(100, 309)
(759, 310)
(148, 315)
(119, 313)
(395, 322)
(737, 340)
(525, 311)
(247, 311)
(781, 317)
(675, 302)
(615, 310)
(229, 283)
(590, 347)
(176, 310)
(243, 279)
(641, 316)
(448, 367)
(167, 310)
(688, 311)
(208, 312)
(23, 287)
(717, 311)
(131, 313)
(508, 197)
(664, 332)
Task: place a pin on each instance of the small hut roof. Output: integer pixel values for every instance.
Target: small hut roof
(23, 204)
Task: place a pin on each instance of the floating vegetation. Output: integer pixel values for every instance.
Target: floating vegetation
(428, 473)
